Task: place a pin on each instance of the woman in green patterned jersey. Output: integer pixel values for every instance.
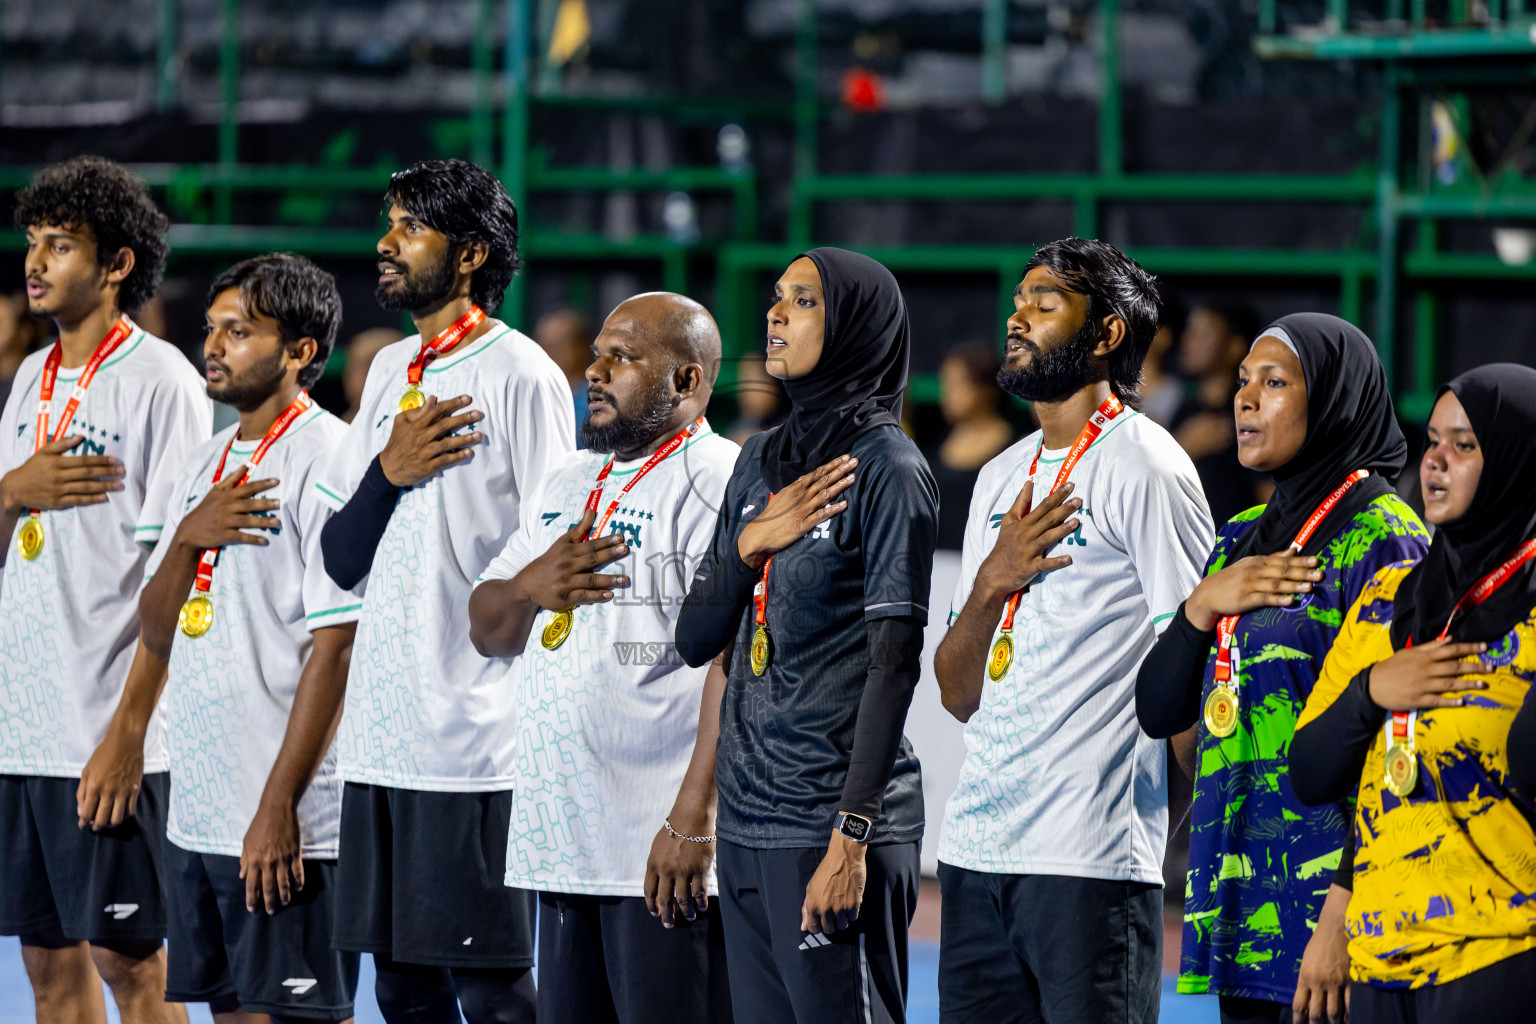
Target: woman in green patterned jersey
(1269, 877)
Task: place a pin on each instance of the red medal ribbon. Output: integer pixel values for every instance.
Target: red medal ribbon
(1107, 411)
(210, 556)
(1480, 591)
(760, 588)
(450, 337)
(651, 463)
(104, 348)
(1226, 626)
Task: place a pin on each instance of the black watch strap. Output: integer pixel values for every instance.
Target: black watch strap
(856, 827)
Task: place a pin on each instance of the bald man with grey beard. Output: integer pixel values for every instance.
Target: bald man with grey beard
(612, 724)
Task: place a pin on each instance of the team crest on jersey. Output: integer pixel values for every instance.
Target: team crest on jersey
(1503, 651)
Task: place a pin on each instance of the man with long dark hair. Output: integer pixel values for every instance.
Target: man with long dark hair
(1082, 540)
(96, 427)
(455, 426)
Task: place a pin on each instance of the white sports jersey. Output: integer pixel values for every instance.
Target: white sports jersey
(607, 720)
(1058, 777)
(69, 621)
(424, 710)
(230, 691)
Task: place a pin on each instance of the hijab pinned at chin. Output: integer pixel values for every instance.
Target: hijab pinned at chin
(857, 384)
(1350, 425)
(1500, 402)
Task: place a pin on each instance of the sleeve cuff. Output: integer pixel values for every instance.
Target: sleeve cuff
(339, 616)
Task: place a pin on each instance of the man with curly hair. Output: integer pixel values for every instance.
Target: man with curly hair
(455, 426)
(91, 437)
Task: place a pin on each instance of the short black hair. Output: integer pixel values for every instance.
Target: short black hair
(290, 289)
(113, 203)
(468, 204)
(1114, 283)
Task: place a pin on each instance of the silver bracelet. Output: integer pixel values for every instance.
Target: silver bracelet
(675, 834)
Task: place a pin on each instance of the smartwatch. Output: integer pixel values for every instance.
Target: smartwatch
(856, 827)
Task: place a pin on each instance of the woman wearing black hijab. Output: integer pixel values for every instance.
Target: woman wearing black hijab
(1424, 704)
(818, 582)
(1313, 410)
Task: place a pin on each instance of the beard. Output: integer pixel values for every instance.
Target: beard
(1055, 375)
(631, 428)
(416, 290)
(252, 387)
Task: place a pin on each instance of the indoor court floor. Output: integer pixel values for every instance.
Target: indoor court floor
(16, 997)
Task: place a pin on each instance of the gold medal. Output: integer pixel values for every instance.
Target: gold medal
(29, 538)
(762, 650)
(1221, 711)
(1002, 657)
(1402, 770)
(412, 399)
(196, 616)
(558, 629)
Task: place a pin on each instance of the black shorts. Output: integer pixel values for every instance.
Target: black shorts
(1025, 948)
(420, 879)
(606, 960)
(223, 954)
(1503, 992)
(781, 975)
(55, 876)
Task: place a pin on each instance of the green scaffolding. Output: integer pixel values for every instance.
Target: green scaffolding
(1421, 60)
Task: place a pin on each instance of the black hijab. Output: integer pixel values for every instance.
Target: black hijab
(1350, 426)
(1500, 400)
(857, 384)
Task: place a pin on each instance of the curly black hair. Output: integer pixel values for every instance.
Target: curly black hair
(290, 289)
(1114, 283)
(113, 203)
(468, 204)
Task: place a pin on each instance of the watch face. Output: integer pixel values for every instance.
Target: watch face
(855, 827)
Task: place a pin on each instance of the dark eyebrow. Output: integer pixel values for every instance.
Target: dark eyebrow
(803, 288)
(1261, 366)
(1039, 289)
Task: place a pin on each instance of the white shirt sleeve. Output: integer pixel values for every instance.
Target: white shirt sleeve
(10, 423)
(973, 549)
(337, 474)
(325, 604)
(520, 548)
(538, 414)
(180, 419)
(176, 509)
(1166, 524)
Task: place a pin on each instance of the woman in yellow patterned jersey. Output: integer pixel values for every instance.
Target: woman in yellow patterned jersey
(1422, 703)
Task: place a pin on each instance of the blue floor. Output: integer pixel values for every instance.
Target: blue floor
(16, 996)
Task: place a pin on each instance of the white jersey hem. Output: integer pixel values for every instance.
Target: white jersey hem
(581, 887)
(1103, 871)
(194, 845)
(427, 785)
(70, 771)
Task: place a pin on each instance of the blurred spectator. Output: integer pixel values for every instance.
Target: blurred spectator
(567, 336)
(760, 402)
(969, 399)
(1214, 343)
(360, 352)
(20, 334)
(1162, 389)
(152, 317)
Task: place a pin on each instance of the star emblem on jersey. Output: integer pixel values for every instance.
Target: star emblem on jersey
(121, 911)
(815, 942)
(299, 985)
